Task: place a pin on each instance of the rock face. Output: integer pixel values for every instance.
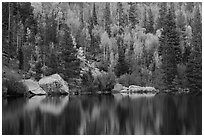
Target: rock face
(54, 84)
(33, 87)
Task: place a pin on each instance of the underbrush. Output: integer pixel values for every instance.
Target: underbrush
(11, 83)
(104, 81)
(143, 78)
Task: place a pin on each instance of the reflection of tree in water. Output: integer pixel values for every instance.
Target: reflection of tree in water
(170, 117)
(103, 115)
(123, 114)
(98, 115)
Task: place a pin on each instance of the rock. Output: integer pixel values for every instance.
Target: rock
(118, 87)
(133, 88)
(33, 86)
(125, 89)
(54, 84)
(150, 89)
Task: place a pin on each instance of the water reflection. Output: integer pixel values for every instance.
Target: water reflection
(162, 114)
(48, 104)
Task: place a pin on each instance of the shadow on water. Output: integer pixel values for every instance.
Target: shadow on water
(102, 114)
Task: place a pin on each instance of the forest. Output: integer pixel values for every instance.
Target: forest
(94, 45)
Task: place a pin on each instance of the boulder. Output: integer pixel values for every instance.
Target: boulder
(118, 87)
(33, 87)
(125, 89)
(54, 84)
(133, 88)
(150, 89)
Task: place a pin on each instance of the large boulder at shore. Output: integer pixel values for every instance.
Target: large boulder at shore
(33, 87)
(118, 87)
(134, 88)
(54, 84)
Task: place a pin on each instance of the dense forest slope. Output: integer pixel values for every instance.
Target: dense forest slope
(95, 45)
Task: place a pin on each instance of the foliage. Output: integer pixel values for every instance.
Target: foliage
(169, 46)
(194, 66)
(137, 41)
(38, 70)
(107, 18)
(133, 15)
(122, 66)
(162, 15)
(12, 82)
(150, 22)
(105, 81)
(87, 81)
(69, 63)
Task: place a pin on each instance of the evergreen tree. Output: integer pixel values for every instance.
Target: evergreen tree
(122, 66)
(194, 66)
(69, 62)
(150, 24)
(94, 43)
(145, 19)
(133, 15)
(94, 16)
(121, 22)
(189, 6)
(53, 63)
(82, 15)
(169, 42)
(20, 58)
(107, 19)
(162, 14)
(180, 21)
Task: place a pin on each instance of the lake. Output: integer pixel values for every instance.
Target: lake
(102, 114)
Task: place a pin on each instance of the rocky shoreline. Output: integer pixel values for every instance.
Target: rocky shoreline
(55, 85)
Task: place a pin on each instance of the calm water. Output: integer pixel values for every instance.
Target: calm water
(104, 114)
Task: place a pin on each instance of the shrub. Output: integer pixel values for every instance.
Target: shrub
(87, 81)
(11, 81)
(181, 79)
(157, 79)
(131, 79)
(103, 65)
(105, 81)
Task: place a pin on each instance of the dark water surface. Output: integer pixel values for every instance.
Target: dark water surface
(102, 114)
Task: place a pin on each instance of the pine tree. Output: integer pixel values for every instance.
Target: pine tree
(121, 22)
(162, 14)
(82, 15)
(145, 19)
(94, 15)
(69, 65)
(150, 24)
(107, 19)
(122, 66)
(94, 43)
(133, 15)
(53, 63)
(180, 21)
(20, 58)
(194, 66)
(169, 42)
(189, 6)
